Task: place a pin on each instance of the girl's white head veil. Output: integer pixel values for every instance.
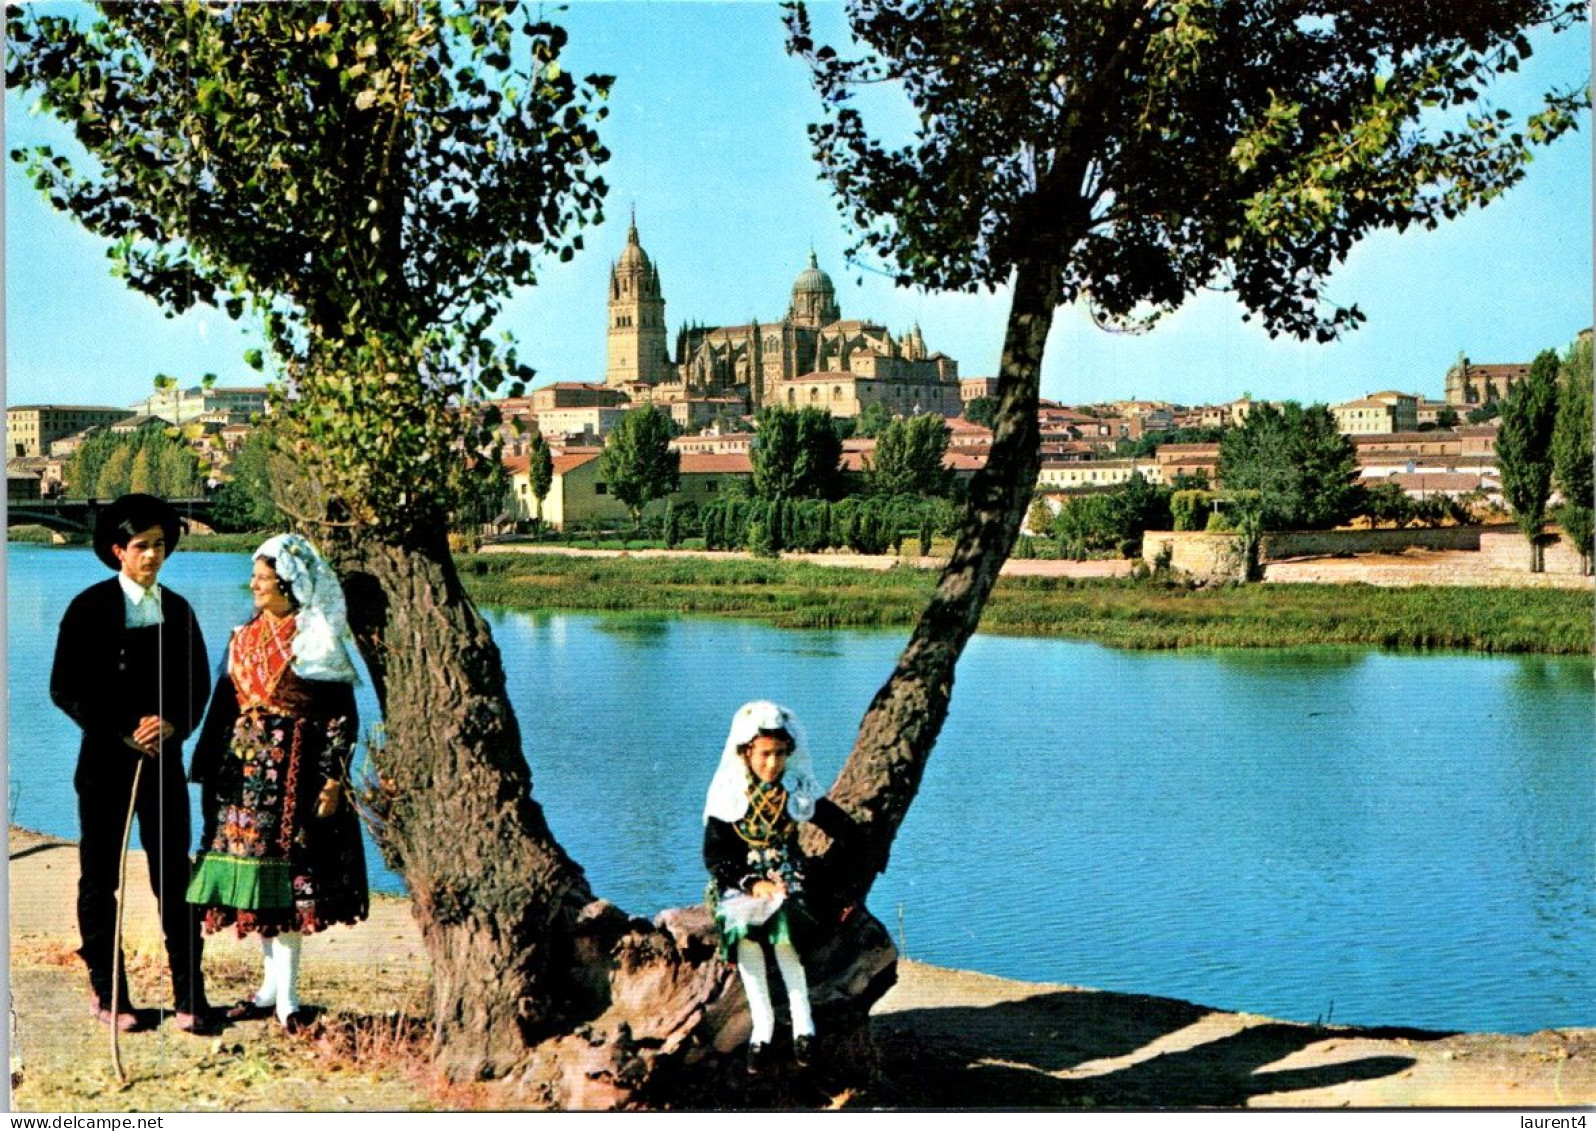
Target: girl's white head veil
(728, 791)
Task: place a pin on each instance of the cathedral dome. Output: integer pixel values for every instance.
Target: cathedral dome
(812, 280)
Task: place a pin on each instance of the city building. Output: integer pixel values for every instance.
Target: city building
(729, 442)
(578, 493)
(1188, 461)
(1468, 384)
(567, 394)
(179, 406)
(592, 423)
(1071, 475)
(1378, 412)
(970, 388)
(21, 486)
(31, 429)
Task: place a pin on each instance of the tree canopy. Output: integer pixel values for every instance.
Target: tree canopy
(639, 465)
(1573, 447)
(369, 180)
(797, 453)
(1160, 147)
(1112, 520)
(149, 460)
(908, 459)
(1289, 468)
(245, 501)
(540, 471)
(872, 419)
(981, 410)
(1524, 447)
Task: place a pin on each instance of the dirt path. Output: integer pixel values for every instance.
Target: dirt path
(1014, 567)
(945, 1038)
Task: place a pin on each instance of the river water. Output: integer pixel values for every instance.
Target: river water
(1373, 837)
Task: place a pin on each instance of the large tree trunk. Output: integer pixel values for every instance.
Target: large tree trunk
(453, 813)
(882, 774)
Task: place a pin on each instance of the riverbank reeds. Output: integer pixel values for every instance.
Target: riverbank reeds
(1125, 613)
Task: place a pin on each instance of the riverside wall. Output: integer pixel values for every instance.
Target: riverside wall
(1508, 549)
(1217, 556)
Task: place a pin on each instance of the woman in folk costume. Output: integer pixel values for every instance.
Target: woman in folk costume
(763, 789)
(281, 852)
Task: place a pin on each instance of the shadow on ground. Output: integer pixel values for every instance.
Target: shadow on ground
(1089, 1049)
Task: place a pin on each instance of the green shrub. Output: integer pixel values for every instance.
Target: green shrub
(1189, 509)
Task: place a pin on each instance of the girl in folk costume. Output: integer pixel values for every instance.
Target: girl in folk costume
(763, 789)
(281, 851)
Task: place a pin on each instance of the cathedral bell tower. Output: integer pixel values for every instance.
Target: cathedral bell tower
(637, 318)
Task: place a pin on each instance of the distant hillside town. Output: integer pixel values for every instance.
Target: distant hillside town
(714, 381)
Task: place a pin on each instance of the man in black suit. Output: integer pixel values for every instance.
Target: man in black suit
(131, 670)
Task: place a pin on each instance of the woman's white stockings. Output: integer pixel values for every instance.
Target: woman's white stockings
(756, 985)
(266, 996)
(279, 984)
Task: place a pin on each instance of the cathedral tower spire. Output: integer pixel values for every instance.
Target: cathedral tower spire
(636, 317)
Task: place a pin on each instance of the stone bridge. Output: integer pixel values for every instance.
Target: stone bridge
(74, 518)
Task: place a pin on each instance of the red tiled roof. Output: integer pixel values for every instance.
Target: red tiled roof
(1435, 481)
(569, 462)
(1439, 435)
(961, 425)
(716, 463)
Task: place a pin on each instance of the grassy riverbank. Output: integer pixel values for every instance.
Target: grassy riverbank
(1120, 612)
(1123, 613)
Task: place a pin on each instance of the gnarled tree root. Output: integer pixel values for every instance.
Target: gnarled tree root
(668, 1022)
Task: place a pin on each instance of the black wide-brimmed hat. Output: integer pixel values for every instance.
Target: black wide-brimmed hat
(131, 514)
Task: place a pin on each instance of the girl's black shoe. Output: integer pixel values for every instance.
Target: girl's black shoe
(803, 1051)
(759, 1059)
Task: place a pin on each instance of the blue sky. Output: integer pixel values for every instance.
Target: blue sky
(707, 135)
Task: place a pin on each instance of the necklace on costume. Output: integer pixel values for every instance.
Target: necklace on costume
(261, 652)
(767, 819)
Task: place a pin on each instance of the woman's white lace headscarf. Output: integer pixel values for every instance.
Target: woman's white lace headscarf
(728, 791)
(323, 620)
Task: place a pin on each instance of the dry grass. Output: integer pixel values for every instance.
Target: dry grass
(348, 1060)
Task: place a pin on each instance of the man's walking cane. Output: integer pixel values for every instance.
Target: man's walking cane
(116, 951)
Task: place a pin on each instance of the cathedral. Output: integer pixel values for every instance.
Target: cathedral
(812, 356)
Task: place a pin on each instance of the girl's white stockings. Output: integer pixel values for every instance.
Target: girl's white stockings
(280, 979)
(751, 968)
(792, 976)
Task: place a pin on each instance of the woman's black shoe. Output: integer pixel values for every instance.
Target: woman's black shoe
(803, 1051)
